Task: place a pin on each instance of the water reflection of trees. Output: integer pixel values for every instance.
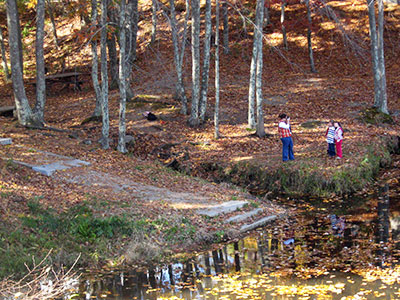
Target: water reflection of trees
(311, 246)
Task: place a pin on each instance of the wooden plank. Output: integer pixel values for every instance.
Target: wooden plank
(63, 75)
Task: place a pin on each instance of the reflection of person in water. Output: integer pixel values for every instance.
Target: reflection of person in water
(338, 225)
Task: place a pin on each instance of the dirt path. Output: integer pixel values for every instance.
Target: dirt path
(107, 184)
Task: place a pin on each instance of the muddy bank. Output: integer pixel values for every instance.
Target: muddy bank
(304, 177)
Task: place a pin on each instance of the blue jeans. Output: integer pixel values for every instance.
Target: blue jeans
(287, 148)
(331, 149)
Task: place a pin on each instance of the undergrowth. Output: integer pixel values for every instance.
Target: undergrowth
(80, 230)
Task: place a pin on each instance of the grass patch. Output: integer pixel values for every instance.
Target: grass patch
(80, 230)
(75, 231)
(373, 116)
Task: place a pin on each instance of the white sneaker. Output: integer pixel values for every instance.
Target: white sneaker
(337, 157)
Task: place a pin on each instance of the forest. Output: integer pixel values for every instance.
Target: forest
(141, 132)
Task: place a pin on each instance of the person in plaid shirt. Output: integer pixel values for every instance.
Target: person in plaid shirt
(285, 134)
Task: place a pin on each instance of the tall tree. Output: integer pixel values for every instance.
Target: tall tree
(113, 59)
(24, 111)
(206, 63)
(131, 42)
(4, 57)
(255, 85)
(53, 22)
(374, 52)
(267, 19)
(216, 110)
(226, 26)
(283, 5)
(179, 52)
(251, 116)
(194, 116)
(104, 77)
(95, 62)
(40, 65)
(381, 101)
(260, 131)
(154, 10)
(113, 16)
(309, 40)
(122, 78)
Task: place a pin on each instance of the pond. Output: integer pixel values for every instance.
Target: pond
(332, 249)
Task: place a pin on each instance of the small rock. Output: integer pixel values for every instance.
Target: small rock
(129, 139)
(87, 142)
(5, 141)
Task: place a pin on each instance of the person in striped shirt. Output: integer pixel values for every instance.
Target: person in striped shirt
(285, 134)
(330, 139)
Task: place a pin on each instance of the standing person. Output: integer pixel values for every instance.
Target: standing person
(338, 139)
(285, 133)
(330, 139)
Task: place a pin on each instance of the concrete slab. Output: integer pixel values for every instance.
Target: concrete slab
(49, 169)
(244, 216)
(258, 223)
(5, 141)
(224, 208)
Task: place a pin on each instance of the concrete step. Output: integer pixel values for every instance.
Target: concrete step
(244, 216)
(47, 163)
(258, 223)
(49, 169)
(223, 208)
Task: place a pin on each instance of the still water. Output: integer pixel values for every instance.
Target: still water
(332, 249)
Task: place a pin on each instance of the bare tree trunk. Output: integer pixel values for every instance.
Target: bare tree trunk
(132, 30)
(95, 64)
(267, 19)
(309, 42)
(113, 58)
(251, 118)
(377, 54)
(53, 23)
(24, 111)
(20, 51)
(131, 42)
(283, 5)
(226, 27)
(260, 131)
(122, 79)
(381, 56)
(178, 54)
(4, 57)
(216, 111)
(40, 67)
(194, 116)
(154, 20)
(104, 77)
(206, 63)
(184, 34)
(374, 51)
